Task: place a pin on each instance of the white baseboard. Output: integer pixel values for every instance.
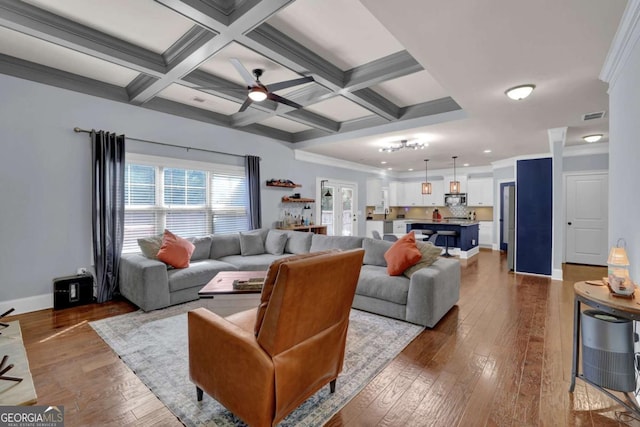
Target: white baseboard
(556, 274)
(465, 254)
(25, 305)
(495, 246)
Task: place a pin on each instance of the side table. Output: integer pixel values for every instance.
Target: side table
(226, 299)
(599, 297)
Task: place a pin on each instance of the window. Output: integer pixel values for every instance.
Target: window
(188, 198)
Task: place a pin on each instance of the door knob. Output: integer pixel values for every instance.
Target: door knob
(569, 223)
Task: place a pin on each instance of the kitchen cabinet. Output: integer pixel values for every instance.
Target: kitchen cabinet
(375, 196)
(394, 190)
(480, 192)
(485, 233)
(436, 198)
(411, 194)
(399, 227)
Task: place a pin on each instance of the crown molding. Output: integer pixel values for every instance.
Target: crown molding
(586, 150)
(623, 43)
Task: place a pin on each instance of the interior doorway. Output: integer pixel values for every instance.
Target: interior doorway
(586, 225)
(338, 201)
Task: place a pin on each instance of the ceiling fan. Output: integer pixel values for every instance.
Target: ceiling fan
(258, 92)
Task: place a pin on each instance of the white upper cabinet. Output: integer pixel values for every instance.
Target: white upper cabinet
(436, 198)
(394, 193)
(411, 194)
(374, 192)
(480, 192)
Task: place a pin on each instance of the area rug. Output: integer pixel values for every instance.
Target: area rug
(154, 346)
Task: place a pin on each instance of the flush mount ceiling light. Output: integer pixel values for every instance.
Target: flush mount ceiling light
(520, 92)
(593, 138)
(403, 144)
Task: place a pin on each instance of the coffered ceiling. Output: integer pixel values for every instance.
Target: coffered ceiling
(383, 71)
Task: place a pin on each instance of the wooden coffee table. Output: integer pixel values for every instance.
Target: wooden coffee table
(222, 283)
(224, 299)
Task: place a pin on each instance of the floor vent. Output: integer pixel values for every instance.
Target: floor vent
(593, 116)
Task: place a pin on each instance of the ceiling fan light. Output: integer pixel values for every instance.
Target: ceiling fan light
(593, 138)
(257, 94)
(520, 92)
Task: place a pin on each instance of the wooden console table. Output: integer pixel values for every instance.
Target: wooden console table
(16, 393)
(317, 229)
(599, 297)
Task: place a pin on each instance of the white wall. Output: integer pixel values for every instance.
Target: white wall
(624, 159)
(45, 219)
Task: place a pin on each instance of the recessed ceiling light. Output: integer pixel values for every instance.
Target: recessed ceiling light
(520, 92)
(390, 169)
(466, 164)
(383, 162)
(410, 169)
(487, 151)
(593, 138)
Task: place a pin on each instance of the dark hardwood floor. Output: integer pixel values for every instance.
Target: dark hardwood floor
(502, 357)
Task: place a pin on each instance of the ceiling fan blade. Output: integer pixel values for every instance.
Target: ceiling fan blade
(277, 98)
(289, 83)
(226, 89)
(246, 75)
(245, 105)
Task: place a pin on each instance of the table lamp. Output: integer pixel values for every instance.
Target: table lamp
(618, 271)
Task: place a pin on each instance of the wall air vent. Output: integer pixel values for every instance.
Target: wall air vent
(593, 116)
(198, 99)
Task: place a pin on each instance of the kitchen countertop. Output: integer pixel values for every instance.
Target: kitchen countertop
(461, 222)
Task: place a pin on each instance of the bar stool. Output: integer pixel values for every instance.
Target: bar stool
(447, 234)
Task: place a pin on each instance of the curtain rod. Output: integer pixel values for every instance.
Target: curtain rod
(79, 130)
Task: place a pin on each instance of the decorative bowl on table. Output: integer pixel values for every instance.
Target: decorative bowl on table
(621, 285)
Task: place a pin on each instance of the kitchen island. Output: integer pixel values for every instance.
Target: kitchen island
(465, 244)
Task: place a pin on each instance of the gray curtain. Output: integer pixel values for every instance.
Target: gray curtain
(107, 158)
(252, 168)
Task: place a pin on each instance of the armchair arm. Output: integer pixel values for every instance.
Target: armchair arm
(144, 282)
(227, 362)
(433, 291)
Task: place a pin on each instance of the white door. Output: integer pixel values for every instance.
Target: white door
(587, 216)
(338, 208)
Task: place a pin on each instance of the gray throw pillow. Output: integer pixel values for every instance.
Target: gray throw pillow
(299, 242)
(202, 247)
(275, 243)
(374, 251)
(150, 246)
(430, 253)
(251, 243)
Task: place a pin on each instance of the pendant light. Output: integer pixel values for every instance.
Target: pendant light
(322, 193)
(454, 186)
(426, 185)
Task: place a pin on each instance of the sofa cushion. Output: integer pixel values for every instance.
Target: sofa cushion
(175, 250)
(150, 246)
(321, 242)
(251, 263)
(251, 243)
(374, 251)
(374, 282)
(275, 242)
(224, 244)
(430, 254)
(198, 274)
(299, 242)
(402, 255)
(203, 247)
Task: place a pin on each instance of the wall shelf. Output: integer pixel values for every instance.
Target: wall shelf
(282, 185)
(297, 200)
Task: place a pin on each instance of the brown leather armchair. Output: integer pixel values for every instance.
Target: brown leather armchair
(263, 363)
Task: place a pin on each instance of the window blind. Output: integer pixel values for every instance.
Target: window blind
(188, 202)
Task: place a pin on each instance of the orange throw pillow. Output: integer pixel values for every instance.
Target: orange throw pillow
(402, 255)
(175, 250)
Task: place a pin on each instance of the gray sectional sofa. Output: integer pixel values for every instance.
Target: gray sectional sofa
(422, 299)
